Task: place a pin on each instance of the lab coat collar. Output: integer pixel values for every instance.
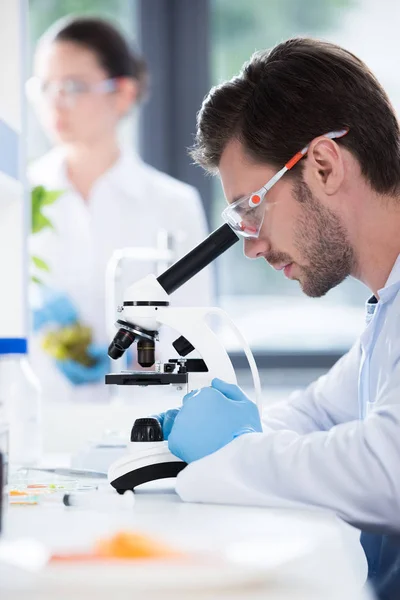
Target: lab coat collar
(55, 161)
(124, 175)
(392, 284)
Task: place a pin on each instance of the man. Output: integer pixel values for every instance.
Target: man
(333, 211)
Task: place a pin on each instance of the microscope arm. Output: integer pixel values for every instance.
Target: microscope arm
(191, 324)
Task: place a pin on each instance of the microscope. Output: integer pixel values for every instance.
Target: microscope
(145, 309)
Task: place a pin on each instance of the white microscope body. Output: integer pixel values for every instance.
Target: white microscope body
(145, 309)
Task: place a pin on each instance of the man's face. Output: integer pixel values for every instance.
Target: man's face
(299, 234)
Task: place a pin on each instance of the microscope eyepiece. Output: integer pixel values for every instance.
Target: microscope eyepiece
(121, 342)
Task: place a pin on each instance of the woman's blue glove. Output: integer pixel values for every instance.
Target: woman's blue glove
(56, 308)
(79, 374)
(210, 418)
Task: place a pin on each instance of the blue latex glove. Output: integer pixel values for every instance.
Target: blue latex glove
(79, 374)
(210, 418)
(57, 309)
(166, 420)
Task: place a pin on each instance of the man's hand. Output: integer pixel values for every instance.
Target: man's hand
(209, 419)
(166, 420)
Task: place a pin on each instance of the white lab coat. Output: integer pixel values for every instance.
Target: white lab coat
(335, 445)
(127, 207)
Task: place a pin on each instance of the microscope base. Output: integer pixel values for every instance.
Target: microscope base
(146, 462)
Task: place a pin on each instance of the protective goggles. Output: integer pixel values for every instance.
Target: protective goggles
(246, 215)
(66, 91)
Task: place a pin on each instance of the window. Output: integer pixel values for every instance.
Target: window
(282, 319)
(43, 13)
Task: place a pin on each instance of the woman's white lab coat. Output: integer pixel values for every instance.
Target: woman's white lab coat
(128, 205)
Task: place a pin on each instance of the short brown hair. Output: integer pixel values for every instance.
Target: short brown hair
(301, 89)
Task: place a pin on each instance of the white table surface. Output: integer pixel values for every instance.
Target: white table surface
(330, 565)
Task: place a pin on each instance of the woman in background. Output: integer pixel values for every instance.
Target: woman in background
(86, 81)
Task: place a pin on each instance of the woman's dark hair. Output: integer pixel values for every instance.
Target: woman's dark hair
(109, 45)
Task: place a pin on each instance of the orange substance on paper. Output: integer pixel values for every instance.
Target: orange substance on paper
(37, 485)
(123, 546)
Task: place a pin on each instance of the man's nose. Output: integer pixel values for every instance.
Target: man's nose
(255, 247)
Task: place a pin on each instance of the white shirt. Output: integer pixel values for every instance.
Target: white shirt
(335, 445)
(127, 207)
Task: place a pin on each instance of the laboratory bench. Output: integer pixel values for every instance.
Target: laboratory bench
(302, 554)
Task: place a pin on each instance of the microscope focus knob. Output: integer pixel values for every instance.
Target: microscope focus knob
(146, 430)
(183, 346)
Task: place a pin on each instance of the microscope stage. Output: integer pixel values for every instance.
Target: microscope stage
(146, 378)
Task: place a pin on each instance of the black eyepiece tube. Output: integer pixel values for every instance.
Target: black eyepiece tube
(202, 255)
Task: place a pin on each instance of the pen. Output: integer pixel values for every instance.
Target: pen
(100, 501)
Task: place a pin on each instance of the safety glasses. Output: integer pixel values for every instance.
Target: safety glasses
(246, 215)
(66, 91)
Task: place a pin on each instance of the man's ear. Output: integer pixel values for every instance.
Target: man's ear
(325, 161)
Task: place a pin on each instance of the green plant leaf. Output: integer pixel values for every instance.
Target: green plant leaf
(36, 280)
(50, 196)
(40, 222)
(37, 194)
(40, 264)
(41, 197)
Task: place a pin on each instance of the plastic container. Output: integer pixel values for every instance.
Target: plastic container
(2, 490)
(20, 404)
(4, 442)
